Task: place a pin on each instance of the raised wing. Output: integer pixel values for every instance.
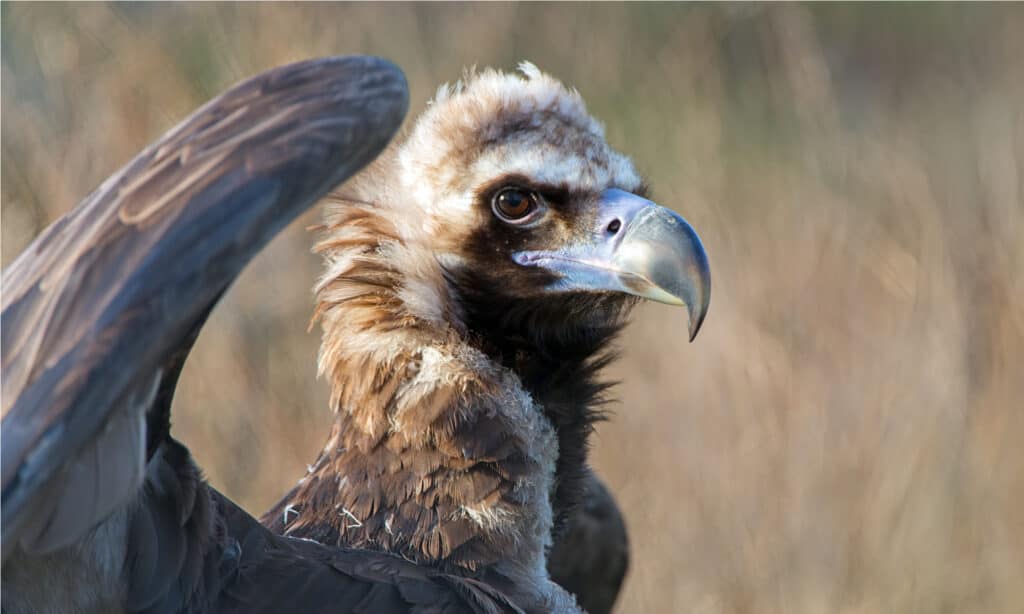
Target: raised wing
(100, 311)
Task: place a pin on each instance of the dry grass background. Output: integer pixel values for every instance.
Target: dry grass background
(846, 435)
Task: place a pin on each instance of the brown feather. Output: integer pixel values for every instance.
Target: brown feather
(464, 396)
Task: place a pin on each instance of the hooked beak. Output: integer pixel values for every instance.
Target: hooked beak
(637, 248)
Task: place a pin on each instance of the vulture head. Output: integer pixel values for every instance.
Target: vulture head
(540, 227)
(476, 274)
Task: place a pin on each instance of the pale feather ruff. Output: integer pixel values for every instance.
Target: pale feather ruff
(492, 123)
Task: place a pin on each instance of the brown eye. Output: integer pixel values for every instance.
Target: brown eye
(514, 204)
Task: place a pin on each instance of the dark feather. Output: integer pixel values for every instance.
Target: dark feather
(591, 556)
(93, 310)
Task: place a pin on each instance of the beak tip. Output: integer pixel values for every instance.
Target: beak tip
(695, 326)
(699, 310)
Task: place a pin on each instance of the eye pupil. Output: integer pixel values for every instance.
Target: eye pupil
(513, 204)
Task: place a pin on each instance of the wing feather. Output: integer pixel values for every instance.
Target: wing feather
(98, 305)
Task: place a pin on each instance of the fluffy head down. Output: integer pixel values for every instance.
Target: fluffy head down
(488, 125)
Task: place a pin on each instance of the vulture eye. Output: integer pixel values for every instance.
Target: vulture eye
(514, 205)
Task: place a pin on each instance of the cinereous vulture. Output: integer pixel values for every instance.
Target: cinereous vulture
(476, 273)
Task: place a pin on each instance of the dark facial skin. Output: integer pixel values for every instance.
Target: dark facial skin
(556, 342)
(515, 304)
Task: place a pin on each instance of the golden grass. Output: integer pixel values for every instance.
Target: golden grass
(847, 433)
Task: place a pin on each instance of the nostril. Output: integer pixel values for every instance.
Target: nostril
(614, 226)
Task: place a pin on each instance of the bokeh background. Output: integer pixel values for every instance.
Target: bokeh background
(846, 434)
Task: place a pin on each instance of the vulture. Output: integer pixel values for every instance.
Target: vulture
(477, 273)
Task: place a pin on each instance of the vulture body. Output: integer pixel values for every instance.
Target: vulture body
(476, 274)
(590, 556)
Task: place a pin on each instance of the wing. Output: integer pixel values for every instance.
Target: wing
(274, 574)
(100, 311)
(591, 556)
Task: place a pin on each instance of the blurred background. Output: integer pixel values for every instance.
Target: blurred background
(846, 434)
